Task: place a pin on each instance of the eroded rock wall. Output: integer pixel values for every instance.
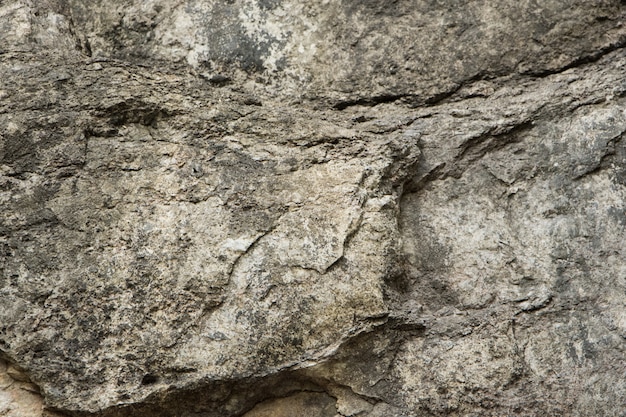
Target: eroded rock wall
(402, 208)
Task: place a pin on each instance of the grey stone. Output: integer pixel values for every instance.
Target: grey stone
(403, 208)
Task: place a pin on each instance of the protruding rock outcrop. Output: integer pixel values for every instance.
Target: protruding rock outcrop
(346, 208)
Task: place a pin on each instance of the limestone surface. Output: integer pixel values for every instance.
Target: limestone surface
(329, 208)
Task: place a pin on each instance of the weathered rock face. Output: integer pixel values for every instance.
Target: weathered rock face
(266, 208)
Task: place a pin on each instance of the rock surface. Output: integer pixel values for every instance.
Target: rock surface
(266, 208)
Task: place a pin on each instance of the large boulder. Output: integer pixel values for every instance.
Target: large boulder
(267, 208)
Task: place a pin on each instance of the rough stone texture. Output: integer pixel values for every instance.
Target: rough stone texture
(18, 396)
(354, 208)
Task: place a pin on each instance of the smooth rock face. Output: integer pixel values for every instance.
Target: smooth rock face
(267, 208)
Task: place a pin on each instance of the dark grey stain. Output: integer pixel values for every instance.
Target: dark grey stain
(228, 43)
